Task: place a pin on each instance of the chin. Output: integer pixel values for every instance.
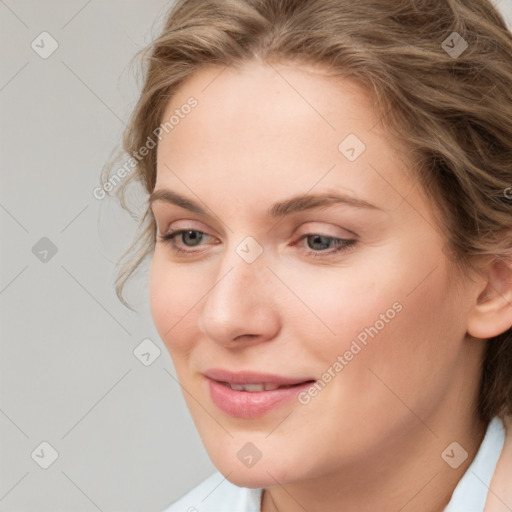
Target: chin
(251, 478)
(266, 472)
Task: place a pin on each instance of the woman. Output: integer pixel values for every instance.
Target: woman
(330, 228)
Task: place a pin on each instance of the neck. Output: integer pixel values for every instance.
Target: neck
(408, 474)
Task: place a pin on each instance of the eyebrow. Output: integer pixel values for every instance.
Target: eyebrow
(292, 205)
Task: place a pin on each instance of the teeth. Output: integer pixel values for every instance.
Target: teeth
(253, 387)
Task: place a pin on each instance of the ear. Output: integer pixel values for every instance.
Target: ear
(491, 312)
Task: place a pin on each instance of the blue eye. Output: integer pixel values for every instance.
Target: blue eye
(340, 244)
(195, 237)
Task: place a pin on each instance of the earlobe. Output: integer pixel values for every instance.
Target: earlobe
(491, 313)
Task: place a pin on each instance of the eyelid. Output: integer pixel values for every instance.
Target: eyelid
(171, 215)
(298, 234)
(342, 244)
(309, 228)
(325, 232)
(188, 225)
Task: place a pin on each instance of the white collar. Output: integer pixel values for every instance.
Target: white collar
(471, 491)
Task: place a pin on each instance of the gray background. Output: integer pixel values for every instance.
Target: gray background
(69, 375)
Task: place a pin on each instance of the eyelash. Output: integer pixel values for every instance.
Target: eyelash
(342, 244)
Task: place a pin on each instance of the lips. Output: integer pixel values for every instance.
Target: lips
(252, 388)
(249, 394)
(242, 378)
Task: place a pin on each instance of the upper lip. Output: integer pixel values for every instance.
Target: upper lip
(246, 377)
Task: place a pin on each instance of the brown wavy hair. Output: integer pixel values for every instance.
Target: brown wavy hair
(451, 114)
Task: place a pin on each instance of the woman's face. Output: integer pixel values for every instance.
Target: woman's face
(353, 293)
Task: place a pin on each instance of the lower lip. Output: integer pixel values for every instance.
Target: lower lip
(248, 404)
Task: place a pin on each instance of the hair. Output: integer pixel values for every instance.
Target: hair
(452, 114)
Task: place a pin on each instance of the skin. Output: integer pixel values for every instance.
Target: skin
(375, 433)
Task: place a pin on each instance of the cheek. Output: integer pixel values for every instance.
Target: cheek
(173, 295)
(410, 359)
(414, 357)
(395, 318)
(342, 305)
(424, 344)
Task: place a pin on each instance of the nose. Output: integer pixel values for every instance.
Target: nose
(241, 308)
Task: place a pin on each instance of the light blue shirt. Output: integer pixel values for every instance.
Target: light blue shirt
(471, 492)
(216, 494)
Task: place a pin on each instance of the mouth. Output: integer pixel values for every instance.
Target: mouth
(265, 386)
(251, 395)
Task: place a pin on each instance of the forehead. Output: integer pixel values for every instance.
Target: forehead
(280, 128)
(263, 99)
